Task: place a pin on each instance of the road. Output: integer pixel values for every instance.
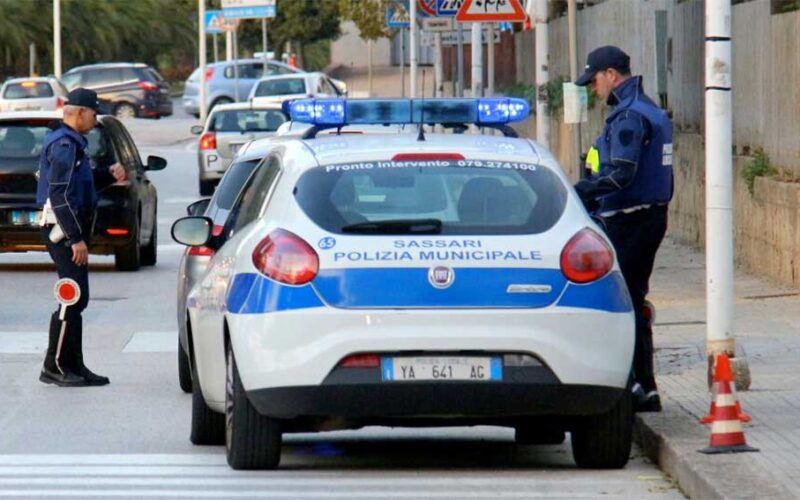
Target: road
(130, 439)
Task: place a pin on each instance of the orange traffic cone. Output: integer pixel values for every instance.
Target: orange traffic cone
(727, 435)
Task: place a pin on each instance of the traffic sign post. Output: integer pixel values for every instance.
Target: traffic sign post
(448, 8)
(491, 11)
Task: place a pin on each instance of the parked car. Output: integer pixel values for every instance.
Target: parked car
(125, 221)
(43, 93)
(125, 90)
(287, 87)
(389, 280)
(220, 80)
(227, 128)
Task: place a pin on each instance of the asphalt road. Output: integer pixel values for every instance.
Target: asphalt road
(131, 438)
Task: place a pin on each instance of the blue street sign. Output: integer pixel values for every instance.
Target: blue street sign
(214, 21)
(448, 8)
(250, 12)
(396, 17)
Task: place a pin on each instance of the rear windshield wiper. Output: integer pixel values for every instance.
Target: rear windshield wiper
(396, 226)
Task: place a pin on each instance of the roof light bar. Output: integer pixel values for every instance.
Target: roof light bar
(490, 112)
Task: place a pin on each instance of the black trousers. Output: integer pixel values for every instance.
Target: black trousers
(636, 238)
(65, 343)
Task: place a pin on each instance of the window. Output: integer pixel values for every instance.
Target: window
(282, 86)
(100, 148)
(261, 120)
(468, 196)
(27, 90)
(129, 74)
(231, 184)
(21, 140)
(256, 193)
(71, 80)
(101, 77)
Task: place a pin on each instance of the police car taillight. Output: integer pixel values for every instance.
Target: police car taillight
(586, 257)
(286, 257)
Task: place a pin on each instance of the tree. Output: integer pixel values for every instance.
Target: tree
(369, 17)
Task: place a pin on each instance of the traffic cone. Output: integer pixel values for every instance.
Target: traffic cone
(727, 435)
(707, 419)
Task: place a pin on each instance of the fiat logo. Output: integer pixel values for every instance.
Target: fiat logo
(441, 276)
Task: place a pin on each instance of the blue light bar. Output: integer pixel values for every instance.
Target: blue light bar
(492, 111)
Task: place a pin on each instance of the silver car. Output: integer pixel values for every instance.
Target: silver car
(32, 94)
(286, 87)
(227, 129)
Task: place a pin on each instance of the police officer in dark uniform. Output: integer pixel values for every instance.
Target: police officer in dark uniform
(66, 188)
(630, 191)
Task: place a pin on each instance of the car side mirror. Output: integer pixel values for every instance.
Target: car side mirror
(156, 163)
(192, 231)
(196, 129)
(199, 207)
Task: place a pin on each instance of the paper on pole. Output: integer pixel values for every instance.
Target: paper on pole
(576, 103)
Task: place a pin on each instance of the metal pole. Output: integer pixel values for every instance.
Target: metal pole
(264, 44)
(57, 38)
(460, 59)
(719, 189)
(228, 45)
(413, 44)
(542, 71)
(201, 49)
(573, 73)
(477, 60)
(216, 49)
(236, 64)
(369, 68)
(490, 61)
(402, 62)
(32, 59)
(438, 69)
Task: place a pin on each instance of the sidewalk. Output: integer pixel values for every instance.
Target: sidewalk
(767, 332)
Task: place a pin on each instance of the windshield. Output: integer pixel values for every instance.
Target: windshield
(21, 141)
(446, 197)
(284, 86)
(246, 120)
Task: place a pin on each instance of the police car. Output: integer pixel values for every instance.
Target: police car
(410, 279)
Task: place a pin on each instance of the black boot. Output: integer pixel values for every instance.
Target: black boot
(76, 348)
(57, 371)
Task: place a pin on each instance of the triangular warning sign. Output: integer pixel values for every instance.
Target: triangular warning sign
(491, 11)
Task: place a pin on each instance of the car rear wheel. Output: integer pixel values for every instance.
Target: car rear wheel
(208, 426)
(124, 110)
(604, 441)
(126, 258)
(184, 370)
(149, 251)
(252, 441)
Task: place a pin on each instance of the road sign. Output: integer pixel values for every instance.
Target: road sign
(451, 38)
(216, 22)
(397, 16)
(448, 8)
(426, 8)
(249, 9)
(491, 10)
(438, 24)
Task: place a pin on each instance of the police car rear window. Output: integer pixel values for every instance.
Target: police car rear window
(456, 197)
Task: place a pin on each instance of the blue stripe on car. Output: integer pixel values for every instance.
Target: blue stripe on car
(251, 293)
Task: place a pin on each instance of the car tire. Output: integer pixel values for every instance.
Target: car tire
(604, 441)
(534, 433)
(149, 252)
(207, 188)
(124, 110)
(184, 369)
(208, 426)
(252, 441)
(127, 258)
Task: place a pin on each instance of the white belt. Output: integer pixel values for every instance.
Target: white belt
(628, 210)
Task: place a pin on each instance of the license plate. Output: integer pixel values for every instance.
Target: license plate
(25, 217)
(464, 368)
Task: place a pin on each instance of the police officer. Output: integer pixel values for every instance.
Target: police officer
(66, 187)
(629, 189)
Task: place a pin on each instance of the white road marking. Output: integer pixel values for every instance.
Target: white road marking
(152, 342)
(171, 247)
(23, 342)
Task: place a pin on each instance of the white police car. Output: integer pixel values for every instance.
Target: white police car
(431, 279)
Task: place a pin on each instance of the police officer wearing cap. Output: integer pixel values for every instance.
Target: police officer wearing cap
(67, 189)
(629, 189)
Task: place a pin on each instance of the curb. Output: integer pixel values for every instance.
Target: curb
(671, 440)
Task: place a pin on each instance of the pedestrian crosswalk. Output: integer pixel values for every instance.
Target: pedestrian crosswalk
(208, 476)
(138, 342)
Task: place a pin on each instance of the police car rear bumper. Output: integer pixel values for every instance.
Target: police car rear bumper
(450, 399)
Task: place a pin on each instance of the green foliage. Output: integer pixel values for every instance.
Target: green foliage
(523, 91)
(781, 6)
(758, 166)
(369, 16)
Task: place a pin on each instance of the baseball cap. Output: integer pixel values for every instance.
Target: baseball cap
(601, 59)
(83, 97)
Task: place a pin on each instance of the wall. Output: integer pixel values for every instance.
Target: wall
(351, 51)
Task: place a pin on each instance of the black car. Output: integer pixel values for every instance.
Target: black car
(125, 222)
(125, 90)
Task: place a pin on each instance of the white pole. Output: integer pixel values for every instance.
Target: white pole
(542, 73)
(719, 187)
(572, 19)
(438, 70)
(369, 68)
(32, 59)
(402, 62)
(477, 60)
(236, 64)
(413, 47)
(490, 61)
(228, 45)
(216, 48)
(264, 44)
(460, 59)
(201, 49)
(57, 38)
